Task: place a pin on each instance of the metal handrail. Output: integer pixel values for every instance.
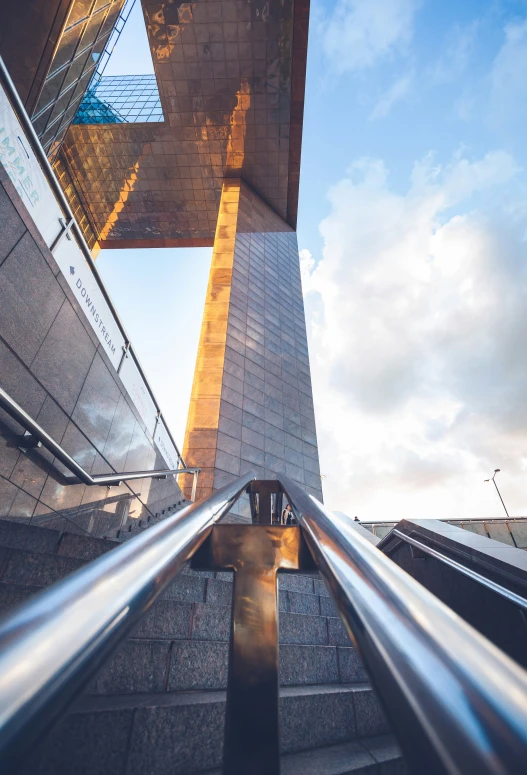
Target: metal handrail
(499, 589)
(37, 432)
(469, 521)
(47, 169)
(457, 703)
(52, 645)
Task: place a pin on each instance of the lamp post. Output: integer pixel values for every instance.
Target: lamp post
(496, 471)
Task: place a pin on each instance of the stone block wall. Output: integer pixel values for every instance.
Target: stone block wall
(252, 404)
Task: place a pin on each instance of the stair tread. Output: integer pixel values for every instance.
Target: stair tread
(26, 554)
(154, 639)
(340, 759)
(94, 703)
(53, 542)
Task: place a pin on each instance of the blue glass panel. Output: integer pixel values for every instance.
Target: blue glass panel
(121, 99)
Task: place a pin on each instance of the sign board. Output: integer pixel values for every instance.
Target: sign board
(26, 174)
(82, 282)
(165, 445)
(134, 383)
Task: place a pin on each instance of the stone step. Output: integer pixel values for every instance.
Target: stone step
(23, 568)
(175, 734)
(17, 535)
(298, 593)
(145, 666)
(47, 541)
(177, 640)
(374, 756)
(168, 619)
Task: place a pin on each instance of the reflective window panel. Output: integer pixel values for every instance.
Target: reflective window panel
(121, 99)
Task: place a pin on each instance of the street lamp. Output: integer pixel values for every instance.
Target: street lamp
(496, 471)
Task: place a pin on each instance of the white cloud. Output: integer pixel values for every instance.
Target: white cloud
(459, 47)
(418, 315)
(360, 33)
(508, 103)
(307, 265)
(397, 91)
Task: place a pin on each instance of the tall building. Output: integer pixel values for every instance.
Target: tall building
(138, 663)
(204, 152)
(213, 158)
(52, 50)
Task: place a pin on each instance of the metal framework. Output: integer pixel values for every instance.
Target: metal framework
(121, 99)
(115, 34)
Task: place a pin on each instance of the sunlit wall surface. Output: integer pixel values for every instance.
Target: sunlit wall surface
(76, 201)
(121, 99)
(83, 39)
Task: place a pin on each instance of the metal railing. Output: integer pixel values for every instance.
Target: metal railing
(493, 586)
(372, 526)
(458, 704)
(38, 436)
(70, 224)
(52, 645)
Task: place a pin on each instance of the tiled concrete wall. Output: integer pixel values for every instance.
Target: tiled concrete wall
(252, 405)
(52, 364)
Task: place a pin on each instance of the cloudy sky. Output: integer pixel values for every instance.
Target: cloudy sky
(413, 238)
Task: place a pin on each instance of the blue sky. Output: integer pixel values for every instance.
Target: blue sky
(413, 237)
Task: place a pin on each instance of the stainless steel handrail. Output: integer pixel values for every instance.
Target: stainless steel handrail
(508, 594)
(457, 703)
(52, 645)
(17, 413)
(47, 169)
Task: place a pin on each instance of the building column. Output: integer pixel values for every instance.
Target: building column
(251, 406)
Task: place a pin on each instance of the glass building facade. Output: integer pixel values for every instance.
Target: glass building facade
(85, 36)
(121, 99)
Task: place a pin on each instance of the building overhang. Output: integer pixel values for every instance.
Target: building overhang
(231, 78)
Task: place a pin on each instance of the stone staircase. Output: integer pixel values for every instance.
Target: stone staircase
(158, 706)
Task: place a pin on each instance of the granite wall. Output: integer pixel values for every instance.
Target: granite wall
(252, 404)
(52, 364)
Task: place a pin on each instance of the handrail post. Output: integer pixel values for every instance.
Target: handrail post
(255, 553)
(124, 356)
(194, 485)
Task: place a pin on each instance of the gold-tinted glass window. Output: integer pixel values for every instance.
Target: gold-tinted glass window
(78, 66)
(66, 48)
(86, 32)
(72, 195)
(81, 10)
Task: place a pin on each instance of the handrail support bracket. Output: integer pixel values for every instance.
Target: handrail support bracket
(28, 441)
(254, 553)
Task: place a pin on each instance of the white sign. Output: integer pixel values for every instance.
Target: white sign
(82, 282)
(134, 383)
(165, 445)
(26, 174)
